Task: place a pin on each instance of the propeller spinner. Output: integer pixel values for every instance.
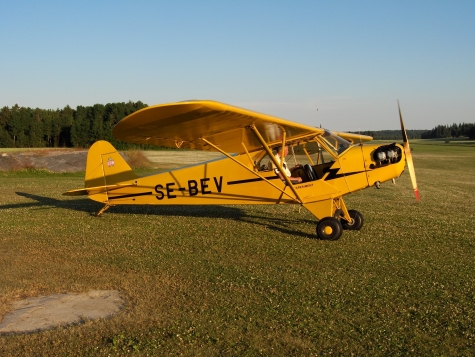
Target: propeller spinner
(407, 151)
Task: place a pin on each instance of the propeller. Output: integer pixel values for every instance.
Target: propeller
(407, 151)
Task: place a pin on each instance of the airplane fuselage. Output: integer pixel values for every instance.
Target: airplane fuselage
(235, 180)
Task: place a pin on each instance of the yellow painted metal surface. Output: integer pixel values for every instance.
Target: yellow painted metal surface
(105, 166)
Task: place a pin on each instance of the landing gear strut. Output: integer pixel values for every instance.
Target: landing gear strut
(335, 219)
(356, 223)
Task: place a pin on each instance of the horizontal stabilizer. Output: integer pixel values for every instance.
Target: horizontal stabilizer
(94, 190)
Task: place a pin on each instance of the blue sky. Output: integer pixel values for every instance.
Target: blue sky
(339, 64)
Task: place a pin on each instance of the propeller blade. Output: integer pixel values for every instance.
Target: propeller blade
(407, 151)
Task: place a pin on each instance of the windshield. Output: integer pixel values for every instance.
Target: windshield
(334, 142)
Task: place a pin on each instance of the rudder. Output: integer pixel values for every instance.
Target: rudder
(105, 166)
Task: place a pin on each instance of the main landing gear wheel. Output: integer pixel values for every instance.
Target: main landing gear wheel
(357, 221)
(329, 228)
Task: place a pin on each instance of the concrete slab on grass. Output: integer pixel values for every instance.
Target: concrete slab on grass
(45, 312)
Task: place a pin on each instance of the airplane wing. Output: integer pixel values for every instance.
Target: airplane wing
(353, 138)
(182, 124)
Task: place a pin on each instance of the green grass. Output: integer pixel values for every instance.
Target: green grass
(251, 280)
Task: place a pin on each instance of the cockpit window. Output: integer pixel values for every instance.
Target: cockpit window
(334, 142)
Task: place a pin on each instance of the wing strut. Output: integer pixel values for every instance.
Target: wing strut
(247, 168)
(277, 164)
(308, 156)
(293, 154)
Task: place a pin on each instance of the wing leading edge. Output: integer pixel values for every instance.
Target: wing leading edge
(182, 124)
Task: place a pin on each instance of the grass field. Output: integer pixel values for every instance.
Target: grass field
(238, 280)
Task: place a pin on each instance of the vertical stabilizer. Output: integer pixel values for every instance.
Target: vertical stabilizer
(105, 166)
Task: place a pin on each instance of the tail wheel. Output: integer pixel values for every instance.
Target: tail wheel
(329, 228)
(357, 221)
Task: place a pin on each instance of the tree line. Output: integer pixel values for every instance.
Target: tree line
(392, 134)
(451, 131)
(440, 131)
(22, 127)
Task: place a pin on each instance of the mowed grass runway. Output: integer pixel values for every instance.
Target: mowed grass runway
(251, 280)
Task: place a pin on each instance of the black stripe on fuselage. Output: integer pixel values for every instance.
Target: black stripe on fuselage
(257, 179)
(332, 174)
(131, 195)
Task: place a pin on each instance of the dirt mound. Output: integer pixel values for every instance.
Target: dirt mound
(64, 160)
(51, 160)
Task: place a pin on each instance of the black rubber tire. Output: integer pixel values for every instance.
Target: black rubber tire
(334, 226)
(358, 221)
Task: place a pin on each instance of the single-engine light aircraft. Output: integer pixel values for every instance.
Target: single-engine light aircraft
(338, 163)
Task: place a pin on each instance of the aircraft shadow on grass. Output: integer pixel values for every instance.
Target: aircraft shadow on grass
(286, 226)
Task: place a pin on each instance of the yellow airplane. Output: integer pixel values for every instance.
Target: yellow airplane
(338, 163)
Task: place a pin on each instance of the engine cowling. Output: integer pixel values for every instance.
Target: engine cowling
(387, 154)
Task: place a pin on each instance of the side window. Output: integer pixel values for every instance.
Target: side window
(317, 154)
(296, 156)
(265, 164)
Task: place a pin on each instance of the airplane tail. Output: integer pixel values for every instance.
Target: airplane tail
(105, 169)
(105, 166)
